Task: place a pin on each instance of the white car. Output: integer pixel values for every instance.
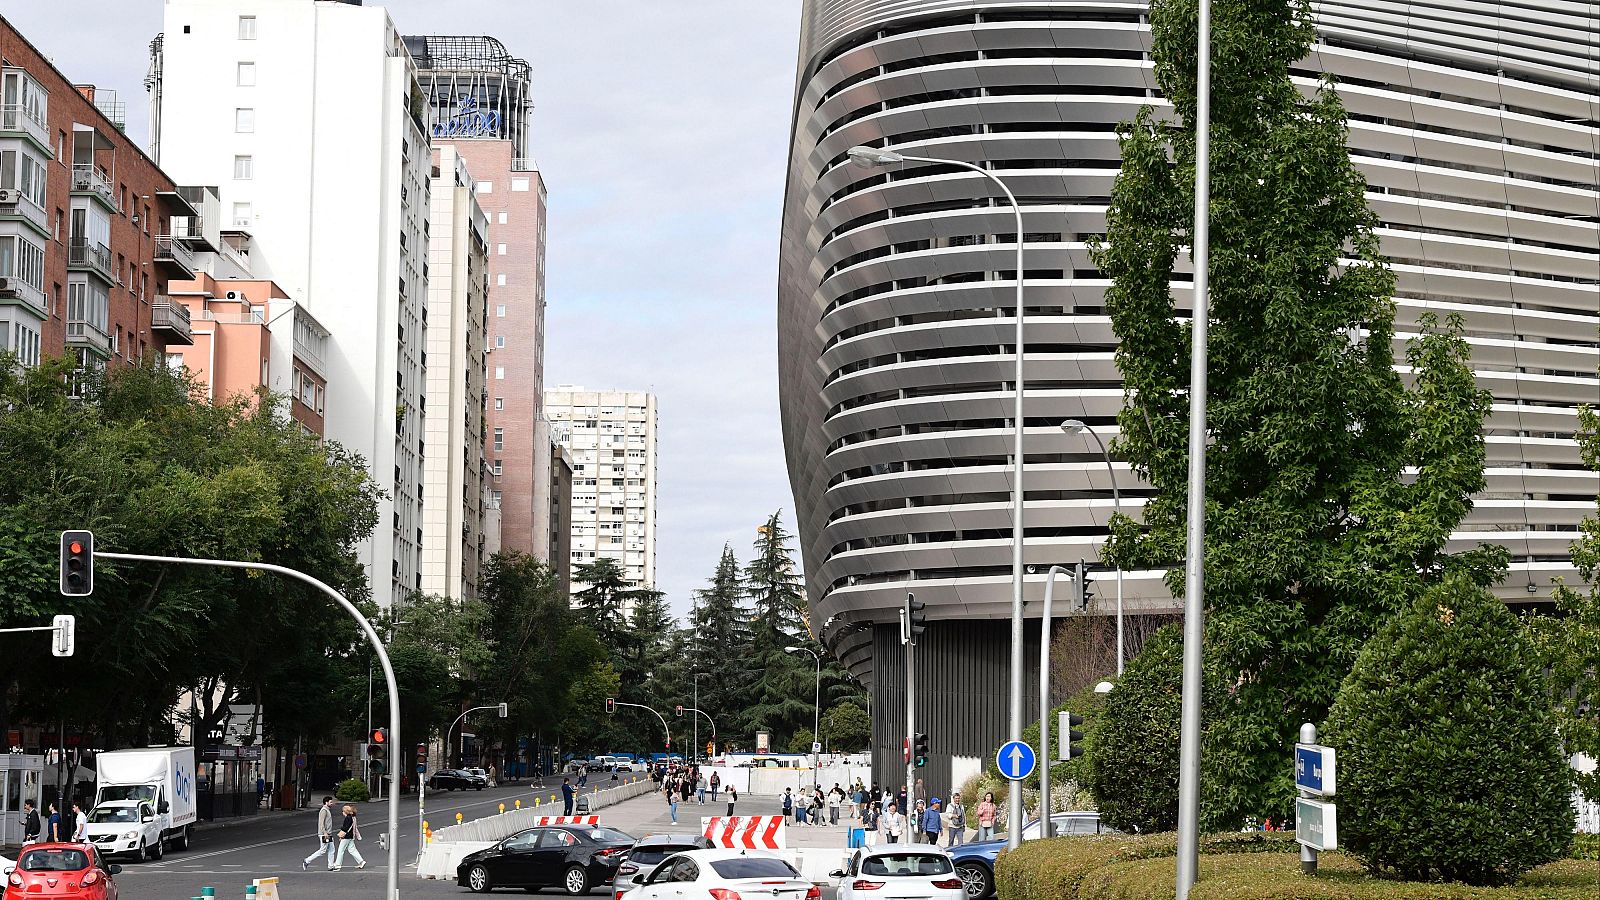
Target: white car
(899, 870)
(125, 826)
(725, 875)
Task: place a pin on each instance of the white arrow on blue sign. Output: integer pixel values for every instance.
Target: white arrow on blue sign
(1016, 760)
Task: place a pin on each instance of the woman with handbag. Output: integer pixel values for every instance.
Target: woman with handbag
(349, 833)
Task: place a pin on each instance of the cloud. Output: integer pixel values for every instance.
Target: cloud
(662, 132)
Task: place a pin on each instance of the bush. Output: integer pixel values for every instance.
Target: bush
(1449, 763)
(1132, 759)
(1057, 868)
(1585, 846)
(352, 790)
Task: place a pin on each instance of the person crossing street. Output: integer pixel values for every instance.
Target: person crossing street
(327, 844)
(349, 833)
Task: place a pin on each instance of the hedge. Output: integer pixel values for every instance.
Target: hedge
(352, 790)
(1243, 866)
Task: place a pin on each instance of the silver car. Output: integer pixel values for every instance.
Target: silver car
(650, 850)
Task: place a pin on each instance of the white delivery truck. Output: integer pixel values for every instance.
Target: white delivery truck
(144, 800)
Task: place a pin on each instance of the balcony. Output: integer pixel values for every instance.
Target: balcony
(14, 202)
(88, 179)
(172, 252)
(18, 119)
(172, 317)
(86, 334)
(15, 290)
(84, 255)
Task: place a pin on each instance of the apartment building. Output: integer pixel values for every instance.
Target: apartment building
(611, 436)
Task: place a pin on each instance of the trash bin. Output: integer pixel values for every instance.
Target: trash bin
(858, 838)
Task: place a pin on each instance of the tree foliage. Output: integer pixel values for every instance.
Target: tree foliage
(1449, 763)
(846, 727)
(719, 638)
(1315, 531)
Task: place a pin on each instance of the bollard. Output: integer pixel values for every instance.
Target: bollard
(208, 892)
(519, 804)
(425, 825)
(458, 818)
(502, 809)
(249, 892)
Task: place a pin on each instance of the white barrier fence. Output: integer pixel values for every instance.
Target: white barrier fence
(773, 780)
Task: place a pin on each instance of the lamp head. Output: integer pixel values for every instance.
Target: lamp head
(871, 158)
(790, 649)
(1074, 426)
(1103, 687)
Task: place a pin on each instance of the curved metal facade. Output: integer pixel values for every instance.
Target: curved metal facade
(1474, 123)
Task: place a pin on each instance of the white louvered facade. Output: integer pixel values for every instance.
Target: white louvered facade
(1475, 125)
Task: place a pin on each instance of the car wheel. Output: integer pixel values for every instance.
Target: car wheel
(144, 852)
(182, 843)
(160, 850)
(478, 880)
(975, 880)
(576, 881)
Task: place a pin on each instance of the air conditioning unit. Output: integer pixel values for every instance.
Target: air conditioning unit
(10, 196)
(8, 287)
(233, 295)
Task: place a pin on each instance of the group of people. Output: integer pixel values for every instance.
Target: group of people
(344, 839)
(677, 780)
(71, 827)
(879, 814)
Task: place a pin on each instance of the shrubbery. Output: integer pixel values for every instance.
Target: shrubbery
(1132, 764)
(352, 790)
(1449, 763)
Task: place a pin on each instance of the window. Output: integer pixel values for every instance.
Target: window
(495, 495)
(500, 311)
(500, 280)
(25, 174)
(244, 167)
(485, 187)
(499, 440)
(242, 215)
(500, 249)
(244, 120)
(519, 184)
(23, 260)
(499, 373)
(499, 403)
(502, 218)
(247, 28)
(497, 468)
(499, 341)
(246, 75)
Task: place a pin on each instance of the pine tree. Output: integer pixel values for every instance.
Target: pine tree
(605, 599)
(719, 636)
(1314, 531)
(780, 697)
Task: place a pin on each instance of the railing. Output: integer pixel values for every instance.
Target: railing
(166, 313)
(22, 290)
(172, 249)
(88, 178)
(16, 117)
(246, 318)
(83, 254)
(80, 331)
(524, 164)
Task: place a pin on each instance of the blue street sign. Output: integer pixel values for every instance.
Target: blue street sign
(1314, 769)
(1016, 760)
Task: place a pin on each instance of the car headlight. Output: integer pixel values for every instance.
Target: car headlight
(129, 835)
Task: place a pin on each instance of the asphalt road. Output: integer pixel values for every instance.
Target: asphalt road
(227, 857)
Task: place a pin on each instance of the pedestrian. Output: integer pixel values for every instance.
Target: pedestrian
(869, 825)
(894, 824)
(958, 821)
(733, 797)
(857, 802)
(53, 824)
(30, 823)
(566, 796)
(261, 788)
(932, 822)
(672, 803)
(986, 816)
(349, 833)
(80, 825)
(817, 807)
(326, 844)
(583, 776)
(788, 806)
(900, 800)
(700, 789)
(492, 773)
(716, 784)
(835, 800)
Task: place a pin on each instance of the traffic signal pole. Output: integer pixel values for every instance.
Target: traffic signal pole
(392, 886)
(909, 638)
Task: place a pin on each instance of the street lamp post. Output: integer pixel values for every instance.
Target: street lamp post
(870, 157)
(816, 709)
(697, 676)
(1074, 426)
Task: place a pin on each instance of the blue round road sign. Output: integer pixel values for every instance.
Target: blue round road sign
(1016, 760)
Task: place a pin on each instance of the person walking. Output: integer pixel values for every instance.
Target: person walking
(80, 825)
(672, 802)
(53, 825)
(324, 835)
(492, 773)
(700, 789)
(349, 833)
(566, 796)
(789, 807)
(987, 812)
(932, 822)
(30, 823)
(894, 824)
(869, 825)
(900, 800)
(858, 801)
(716, 784)
(817, 807)
(957, 814)
(733, 797)
(835, 800)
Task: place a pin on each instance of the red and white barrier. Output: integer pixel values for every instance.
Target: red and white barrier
(746, 832)
(565, 820)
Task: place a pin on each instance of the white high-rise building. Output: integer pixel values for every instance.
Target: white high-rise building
(305, 114)
(612, 438)
(455, 471)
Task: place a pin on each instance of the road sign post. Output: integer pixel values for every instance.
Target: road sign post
(1316, 822)
(1016, 761)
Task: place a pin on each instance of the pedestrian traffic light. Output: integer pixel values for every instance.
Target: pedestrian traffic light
(916, 616)
(679, 711)
(422, 755)
(66, 635)
(77, 563)
(921, 750)
(1070, 738)
(611, 706)
(378, 742)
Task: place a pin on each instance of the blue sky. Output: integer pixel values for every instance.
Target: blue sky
(661, 129)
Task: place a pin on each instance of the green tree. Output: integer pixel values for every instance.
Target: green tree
(1449, 763)
(719, 639)
(1315, 533)
(782, 683)
(438, 654)
(846, 728)
(605, 598)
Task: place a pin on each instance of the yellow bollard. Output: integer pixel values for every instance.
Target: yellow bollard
(458, 818)
(552, 798)
(429, 836)
(502, 809)
(519, 804)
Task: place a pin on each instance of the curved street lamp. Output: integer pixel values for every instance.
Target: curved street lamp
(1076, 426)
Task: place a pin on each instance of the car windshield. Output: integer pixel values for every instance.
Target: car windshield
(114, 814)
(906, 864)
(603, 835)
(53, 861)
(753, 867)
(146, 792)
(654, 853)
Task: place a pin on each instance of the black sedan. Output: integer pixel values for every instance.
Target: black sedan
(455, 780)
(574, 858)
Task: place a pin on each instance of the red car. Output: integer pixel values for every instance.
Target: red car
(75, 871)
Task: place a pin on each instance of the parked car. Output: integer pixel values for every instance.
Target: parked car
(574, 858)
(651, 849)
(894, 870)
(975, 861)
(125, 826)
(455, 780)
(721, 873)
(477, 772)
(60, 872)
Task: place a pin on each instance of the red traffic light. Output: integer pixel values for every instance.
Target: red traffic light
(379, 736)
(75, 547)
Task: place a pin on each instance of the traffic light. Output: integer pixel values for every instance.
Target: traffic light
(66, 635)
(422, 757)
(1085, 591)
(378, 743)
(77, 563)
(1066, 727)
(916, 616)
(679, 711)
(921, 749)
(611, 706)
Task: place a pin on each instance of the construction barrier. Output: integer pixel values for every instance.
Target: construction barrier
(746, 832)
